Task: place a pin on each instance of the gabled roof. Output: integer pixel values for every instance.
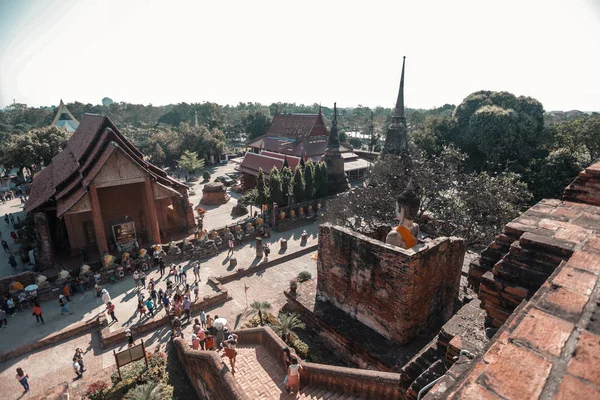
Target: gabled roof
(68, 176)
(253, 162)
(64, 118)
(287, 130)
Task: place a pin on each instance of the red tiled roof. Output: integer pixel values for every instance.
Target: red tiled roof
(297, 126)
(253, 162)
(65, 205)
(85, 154)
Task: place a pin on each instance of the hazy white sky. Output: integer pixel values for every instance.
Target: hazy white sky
(322, 51)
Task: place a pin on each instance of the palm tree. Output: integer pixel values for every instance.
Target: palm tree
(260, 308)
(147, 391)
(287, 323)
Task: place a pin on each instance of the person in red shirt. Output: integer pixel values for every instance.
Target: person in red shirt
(110, 307)
(67, 291)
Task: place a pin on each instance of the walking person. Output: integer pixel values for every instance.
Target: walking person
(293, 376)
(196, 291)
(166, 303)
(77, 368)
(67, 291)
(231, 247)
(196, 269)
(12, 219)
(141, 308)
(153, 296)
(161, 266)
(105, 297)
(150, 306)
(12, 261)
(3, 319)
(129, 335)
(267, 251)
(203, 319)
(79, 358)
(231, 350)
(5, 245)
(136, 278)
(6, 219)
(110, 307)
(186, 307)
(22, 378)
(64, 308)
(79, 285)
(180, 274)
(10, 303)
(195, 342)
(143, 278)
(37, 311)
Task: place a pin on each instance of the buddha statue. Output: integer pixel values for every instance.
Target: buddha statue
(406, 234)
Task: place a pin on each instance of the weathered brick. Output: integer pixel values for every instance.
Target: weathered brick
(586, 358)
(572, 388)
(511, 379)
(586, 260)
(573, 234)
(476, 392)
(543, 332)
(564, 303)
(579, 281)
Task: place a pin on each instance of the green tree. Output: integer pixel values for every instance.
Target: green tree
(343, 136)
(321, 188)
(275, 187)
(286, 183)
(256, 124)
(355, 142)
(189, 161)
(260, 308)
(35, 147)
(206, 176)
(261, 187)
(579, 136)
(288, 323)
(548, 176)
(309, 180)
(146, 391)
(299, 185)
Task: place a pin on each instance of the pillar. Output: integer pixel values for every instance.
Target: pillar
(97, 220)
(44, 240)
(153, 229)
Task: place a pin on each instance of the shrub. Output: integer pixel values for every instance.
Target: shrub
(136, 373)
(293, 285)
(96, 391)
(206, 176)
(301, 348)
(304, 276)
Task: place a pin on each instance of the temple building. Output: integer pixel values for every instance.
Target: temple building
(99, 193)
(64, 119)
(293, 136)
(396, 139)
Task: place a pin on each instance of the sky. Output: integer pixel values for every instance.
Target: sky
(163, 52)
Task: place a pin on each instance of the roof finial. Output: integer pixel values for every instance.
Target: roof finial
(319, 108)
(399, 110)
(334, 138)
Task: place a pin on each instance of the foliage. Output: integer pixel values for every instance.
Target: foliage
(548, 176)
(150, 391)
(261, 188)
(268, 318)
(249, 198)
(261, 308)
(206, 176)
(301, 347)
(309, 180)
(355, 142)
(189, 161)
(288, 322)
(497, 129)
(304, 276)
(35, 147)
(472, 205)
(321, 187)
(136, 373)
(342, 135)
(96, 391)
(286, 182)
(299, 185)
(580, 135)
(256, 124)
(276, 187)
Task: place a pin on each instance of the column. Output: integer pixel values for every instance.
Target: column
(44, 240)
(97, 220)
(153, 229)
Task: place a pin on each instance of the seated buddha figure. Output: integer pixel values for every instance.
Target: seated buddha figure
(405, 235)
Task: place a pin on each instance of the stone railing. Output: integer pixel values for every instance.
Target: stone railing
(297, 214)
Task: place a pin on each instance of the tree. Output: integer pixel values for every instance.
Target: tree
(261, 188)
(35, 147)
(321, 188)
(343, 136)
(206, 176)
(275, 187)
(548, 176)
(256, 124)
(189, 161)
(286, 182)
(260, 308)
(299, 185)
(288, 323)
(147, 391)
(497, 129)
(309, 180)
(355, 142)
(580, 135)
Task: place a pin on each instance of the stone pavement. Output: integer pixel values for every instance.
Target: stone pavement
(23, 329)
(15, 208)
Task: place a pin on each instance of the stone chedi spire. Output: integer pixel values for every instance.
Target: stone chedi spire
(336, 177)
(397, 136)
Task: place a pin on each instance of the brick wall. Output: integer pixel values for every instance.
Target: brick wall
(398, 293)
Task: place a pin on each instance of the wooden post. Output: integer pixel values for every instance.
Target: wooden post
(97, 220)
(152, 213)
(117, 362)
(144, 350)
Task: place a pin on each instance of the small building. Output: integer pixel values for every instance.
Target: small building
(294, 136)
(100, 192)
(64, 119)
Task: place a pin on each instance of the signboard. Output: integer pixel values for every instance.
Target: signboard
(124, 233)
(129, 355)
